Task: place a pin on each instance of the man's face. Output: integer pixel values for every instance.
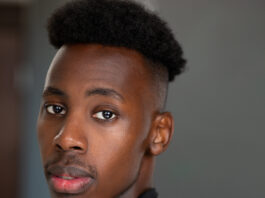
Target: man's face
(94, 122)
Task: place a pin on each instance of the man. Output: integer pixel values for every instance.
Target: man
(101, 121)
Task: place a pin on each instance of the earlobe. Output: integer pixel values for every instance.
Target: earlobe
(162, 132)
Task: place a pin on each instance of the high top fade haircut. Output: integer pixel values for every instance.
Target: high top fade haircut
(118, 23)
(121, 23)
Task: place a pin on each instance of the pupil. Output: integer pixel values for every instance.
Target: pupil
(107, 114)
(57, 109)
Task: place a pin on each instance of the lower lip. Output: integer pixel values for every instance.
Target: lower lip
(71, 186)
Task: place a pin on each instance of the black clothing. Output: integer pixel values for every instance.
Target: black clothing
(151, 193)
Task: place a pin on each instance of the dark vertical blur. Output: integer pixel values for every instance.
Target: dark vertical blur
(11, 23)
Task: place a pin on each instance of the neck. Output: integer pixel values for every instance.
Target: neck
(145, 178)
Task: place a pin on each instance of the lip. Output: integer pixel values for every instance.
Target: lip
(69, 179)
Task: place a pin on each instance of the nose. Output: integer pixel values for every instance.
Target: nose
(71, 137)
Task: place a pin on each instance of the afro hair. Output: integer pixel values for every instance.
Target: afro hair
(119, 23)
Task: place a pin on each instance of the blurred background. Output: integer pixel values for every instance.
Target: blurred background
(218, 148)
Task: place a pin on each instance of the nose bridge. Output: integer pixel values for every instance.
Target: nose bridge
(71, 135)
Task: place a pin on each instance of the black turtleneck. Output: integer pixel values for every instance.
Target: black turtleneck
(151, 193)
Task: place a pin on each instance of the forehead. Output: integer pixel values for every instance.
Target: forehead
(76, 58)
(87, 66)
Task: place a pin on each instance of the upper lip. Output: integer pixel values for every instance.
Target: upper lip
(70, 171)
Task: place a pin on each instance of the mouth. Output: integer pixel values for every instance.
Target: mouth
(69, 180)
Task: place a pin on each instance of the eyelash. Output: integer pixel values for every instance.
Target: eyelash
(99, 115)
(50, 108)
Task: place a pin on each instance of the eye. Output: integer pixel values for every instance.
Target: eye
(55, 109)
(104, 115)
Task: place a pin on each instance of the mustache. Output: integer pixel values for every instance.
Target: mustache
(71, 164)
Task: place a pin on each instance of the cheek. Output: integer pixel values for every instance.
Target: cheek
(46, 132)
(118, 151)
(117, 165)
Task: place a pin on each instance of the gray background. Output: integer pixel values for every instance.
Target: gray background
(218, 103)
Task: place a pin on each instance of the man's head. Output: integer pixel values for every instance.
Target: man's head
(101, 120)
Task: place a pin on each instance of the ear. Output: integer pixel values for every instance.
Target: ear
(161, 134)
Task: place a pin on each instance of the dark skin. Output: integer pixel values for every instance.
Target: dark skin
(100, 123)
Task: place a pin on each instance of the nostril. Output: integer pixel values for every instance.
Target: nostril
(76, 148)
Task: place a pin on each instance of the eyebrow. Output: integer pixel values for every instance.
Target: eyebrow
(96, 91)
(105, 92)
(53, 91)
